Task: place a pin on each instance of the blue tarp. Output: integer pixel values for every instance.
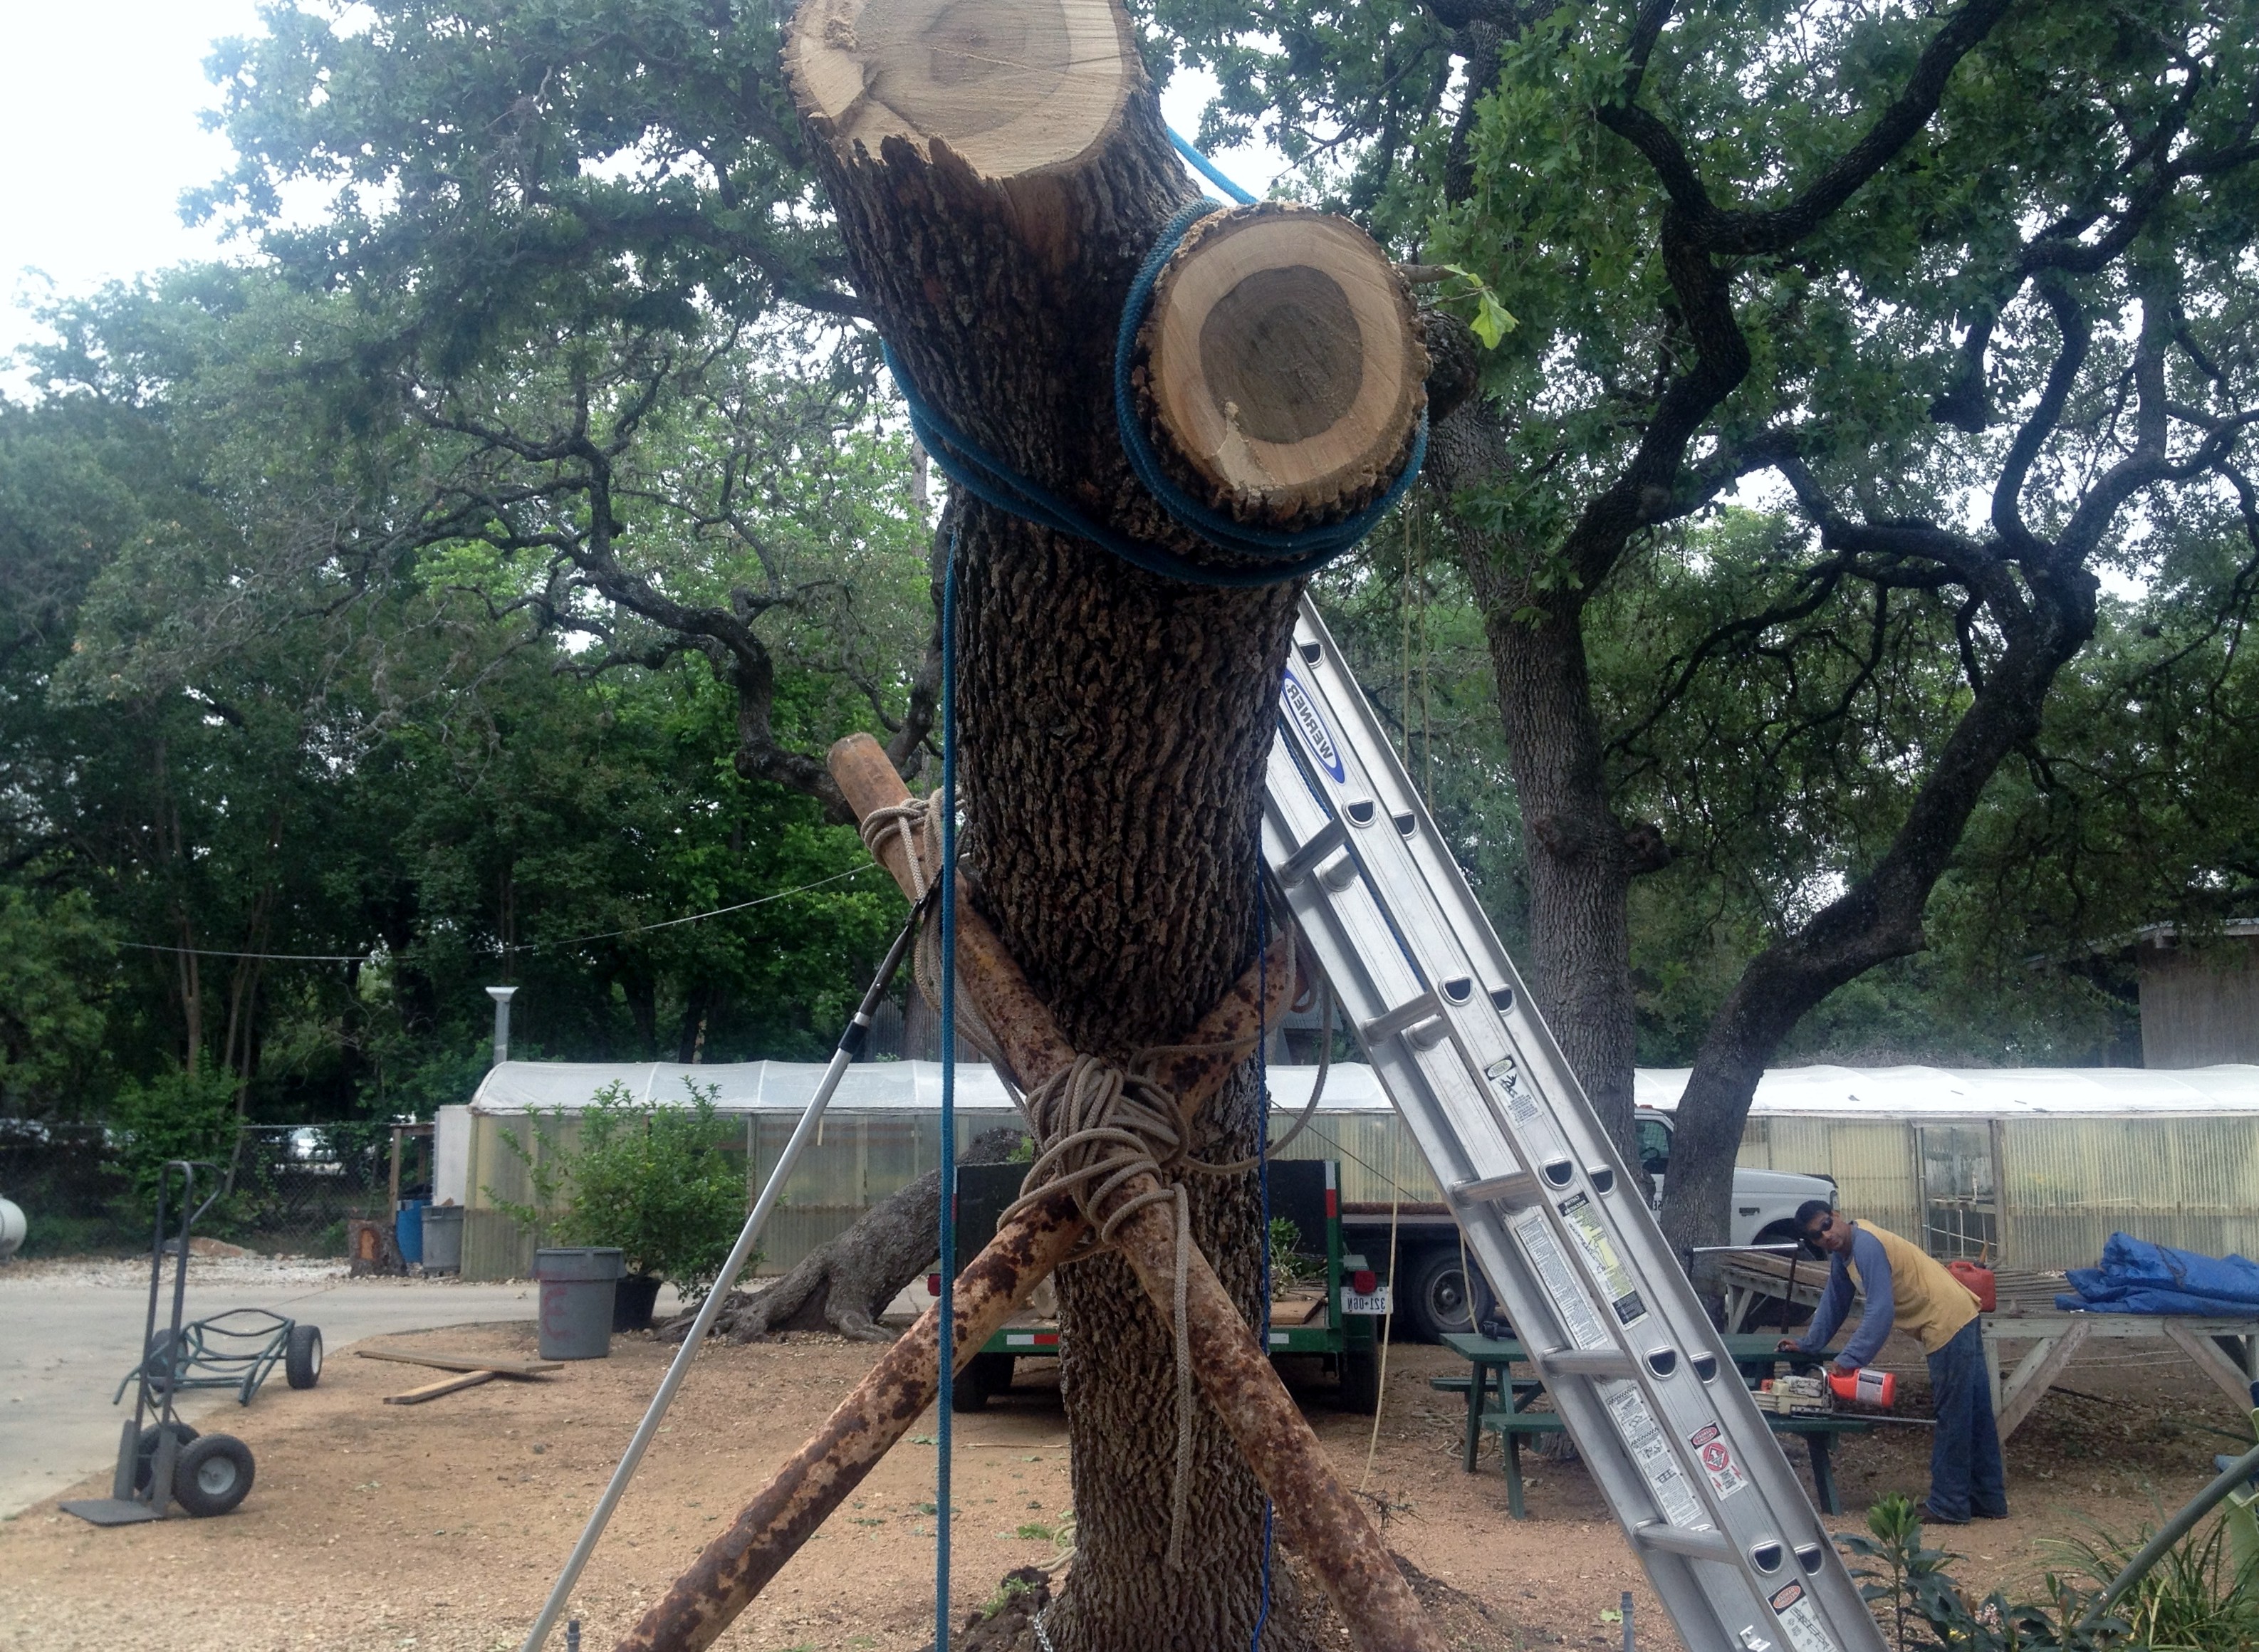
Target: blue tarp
(2137, 1276)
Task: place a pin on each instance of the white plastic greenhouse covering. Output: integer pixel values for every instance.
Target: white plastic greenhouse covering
(1874, 1093)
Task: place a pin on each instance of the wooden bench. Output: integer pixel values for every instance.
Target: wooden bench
(1819, 1435)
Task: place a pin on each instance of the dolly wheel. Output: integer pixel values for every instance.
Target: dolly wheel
(302, 1360)
(144, 1449)
(214, 1475)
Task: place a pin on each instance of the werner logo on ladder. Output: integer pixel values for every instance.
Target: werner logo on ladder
(1676, 1443)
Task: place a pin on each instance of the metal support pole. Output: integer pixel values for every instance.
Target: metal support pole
(851, 1045)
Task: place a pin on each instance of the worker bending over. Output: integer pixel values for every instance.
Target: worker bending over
(1907, 1288)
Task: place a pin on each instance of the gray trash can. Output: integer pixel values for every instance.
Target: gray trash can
(576, 1299)
(443, 1238)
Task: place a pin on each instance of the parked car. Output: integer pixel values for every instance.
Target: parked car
(1436, 1290)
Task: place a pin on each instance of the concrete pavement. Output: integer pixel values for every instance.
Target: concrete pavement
(69, 1331)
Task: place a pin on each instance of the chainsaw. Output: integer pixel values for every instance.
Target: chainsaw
(1818, 1395)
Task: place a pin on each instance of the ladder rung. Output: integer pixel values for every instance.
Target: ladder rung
(1677, 1540)
(1298, 866)
(1519, 1187)
(1412, 1017)
(1586, 1362)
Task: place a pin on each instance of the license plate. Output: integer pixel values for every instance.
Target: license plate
(1374, 1302)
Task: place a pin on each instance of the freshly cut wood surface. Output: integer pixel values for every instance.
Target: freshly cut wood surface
(1283, 374)
(1011, 86)
(466, 1361)
(444, 1385)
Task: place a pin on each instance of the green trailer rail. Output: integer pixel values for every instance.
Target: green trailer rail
(1335, 1317)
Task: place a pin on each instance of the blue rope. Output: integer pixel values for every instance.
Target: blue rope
(1206, 168)
(946, 1354)
(1262, 1175)
(1263, 556)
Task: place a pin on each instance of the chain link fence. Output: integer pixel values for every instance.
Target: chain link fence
(288, 1189)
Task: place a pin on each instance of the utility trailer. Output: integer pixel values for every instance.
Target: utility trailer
(1334, 1315)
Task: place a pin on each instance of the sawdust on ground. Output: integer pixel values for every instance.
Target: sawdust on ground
(440, 1527)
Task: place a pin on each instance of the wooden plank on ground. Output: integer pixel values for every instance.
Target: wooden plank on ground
(2037, 1371)
(465, 1361)
(444, 1385)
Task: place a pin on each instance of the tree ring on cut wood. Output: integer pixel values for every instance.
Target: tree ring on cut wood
(1279, 370)
(1011, 86)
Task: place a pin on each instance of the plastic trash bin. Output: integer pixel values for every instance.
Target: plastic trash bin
(577, 1283)
(443, 1238)
(408, 1230)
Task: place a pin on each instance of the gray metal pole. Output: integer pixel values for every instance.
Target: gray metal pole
(851, 1044)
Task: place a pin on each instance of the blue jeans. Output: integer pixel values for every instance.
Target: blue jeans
(1966, 1474)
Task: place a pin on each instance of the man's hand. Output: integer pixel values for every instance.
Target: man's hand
(1845, 1367)
(1788, 1345)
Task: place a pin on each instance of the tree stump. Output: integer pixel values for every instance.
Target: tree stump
(1000, 171)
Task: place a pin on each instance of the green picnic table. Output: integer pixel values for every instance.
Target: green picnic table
(1499, 1403)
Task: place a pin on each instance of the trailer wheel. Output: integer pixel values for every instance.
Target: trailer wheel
(144, 1449)
(213, 1476)
(1360, 1380)
(302, 1360)
(984, 1376)
(1438, 1301)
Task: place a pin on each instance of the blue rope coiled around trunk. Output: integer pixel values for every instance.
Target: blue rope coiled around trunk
(1259, 555)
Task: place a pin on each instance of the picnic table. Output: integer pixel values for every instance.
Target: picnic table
(2226, 1350)
(1499, 1403)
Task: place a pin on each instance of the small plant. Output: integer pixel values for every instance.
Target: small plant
(1289, 1265)
(1921, 1609)
(657, 1182)
(1009, 1589)
(2191, 1598)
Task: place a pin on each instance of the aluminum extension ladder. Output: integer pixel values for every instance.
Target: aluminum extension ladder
(1642, 1383)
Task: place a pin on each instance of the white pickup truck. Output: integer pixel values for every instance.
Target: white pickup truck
(1435, 1295)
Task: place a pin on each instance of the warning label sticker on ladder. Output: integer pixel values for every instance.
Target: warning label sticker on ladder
(1520, 1105)
(1800, 1621)
(1545, 1255)
(1600, 1256)
(1650, 1448)
(1717, 1459)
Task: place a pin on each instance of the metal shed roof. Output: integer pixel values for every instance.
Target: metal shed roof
(1875, 1093)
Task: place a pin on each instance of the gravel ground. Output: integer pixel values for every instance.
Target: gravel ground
(439, 1526)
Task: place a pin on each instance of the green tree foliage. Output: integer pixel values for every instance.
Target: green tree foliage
(1957, 305)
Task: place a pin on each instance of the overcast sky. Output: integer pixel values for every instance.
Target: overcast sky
(100, 126)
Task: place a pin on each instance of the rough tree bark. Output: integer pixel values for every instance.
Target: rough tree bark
(845, 1285)
(998, 170)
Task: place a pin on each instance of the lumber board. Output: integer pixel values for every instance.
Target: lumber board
(465, 1361)
(444, 1385)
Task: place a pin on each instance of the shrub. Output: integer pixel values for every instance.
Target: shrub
(1921, 1609)
(657, 1182)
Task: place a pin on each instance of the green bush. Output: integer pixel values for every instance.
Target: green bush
(1921, 1609)
(2190, 1599)
(183, 1113)
(657, 1182)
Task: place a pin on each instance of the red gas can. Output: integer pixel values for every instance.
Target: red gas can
(1979, 1281)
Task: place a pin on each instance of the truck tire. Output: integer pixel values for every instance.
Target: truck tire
(1360, 1380)
(301, 1359)
(984, 1376)
(213, 1476)
(1438, 1300)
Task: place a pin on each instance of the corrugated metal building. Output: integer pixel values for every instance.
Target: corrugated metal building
(2034, 1166)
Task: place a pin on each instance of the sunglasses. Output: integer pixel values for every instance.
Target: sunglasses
(1812, 1234)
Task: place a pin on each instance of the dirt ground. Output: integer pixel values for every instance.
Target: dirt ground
(439, 1526)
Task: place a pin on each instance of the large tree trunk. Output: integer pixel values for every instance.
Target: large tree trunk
(1579, 858)
(998, 170)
